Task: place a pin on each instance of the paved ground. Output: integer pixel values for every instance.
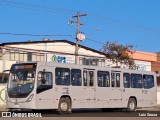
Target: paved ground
(2, 108)
(86, 115)
(157, 108)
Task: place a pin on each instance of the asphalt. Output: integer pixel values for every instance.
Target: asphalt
(156, 108)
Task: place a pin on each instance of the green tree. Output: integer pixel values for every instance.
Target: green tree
(118, 53)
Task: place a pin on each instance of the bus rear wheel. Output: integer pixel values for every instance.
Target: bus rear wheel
(64, 105)
(132, 105)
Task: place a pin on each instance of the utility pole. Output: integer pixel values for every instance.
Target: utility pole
(78, 24)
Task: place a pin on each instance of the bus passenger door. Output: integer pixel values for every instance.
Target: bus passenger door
(116, 92)
(149, 91)
(44, 91)
(88, 88)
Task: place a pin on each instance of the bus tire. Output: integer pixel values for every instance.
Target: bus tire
(64, 105)
(132, 105)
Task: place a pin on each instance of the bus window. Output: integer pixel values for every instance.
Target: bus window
(85, 78)
(126, 80)
(136, 80)
(113, 79)
(62, 76)
(44, 81)
(91, 78)
(103, 79)
(148, 81)
(76, 77)
(117, 79)
(88, 78)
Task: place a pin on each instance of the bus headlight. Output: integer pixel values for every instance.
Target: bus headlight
(30, 98)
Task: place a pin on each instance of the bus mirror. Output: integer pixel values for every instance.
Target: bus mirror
(43, 80)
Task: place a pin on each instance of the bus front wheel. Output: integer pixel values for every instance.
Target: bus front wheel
(64, 105)
(132, 105)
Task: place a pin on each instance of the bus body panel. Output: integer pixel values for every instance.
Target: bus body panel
(85, 96)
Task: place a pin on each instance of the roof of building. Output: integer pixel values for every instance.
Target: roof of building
(52, 41)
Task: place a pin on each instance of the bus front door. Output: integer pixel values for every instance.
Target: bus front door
(88, 88)
(44, 92)
(116, 92)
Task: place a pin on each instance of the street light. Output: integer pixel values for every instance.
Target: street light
(93, 31)
(97, 29)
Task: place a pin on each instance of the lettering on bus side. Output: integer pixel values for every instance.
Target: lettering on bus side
(66, 90)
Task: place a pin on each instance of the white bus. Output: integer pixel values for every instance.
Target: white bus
(46, 85)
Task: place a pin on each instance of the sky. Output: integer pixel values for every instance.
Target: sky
(132, 22)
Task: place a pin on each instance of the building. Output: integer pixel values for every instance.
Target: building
(61, 51)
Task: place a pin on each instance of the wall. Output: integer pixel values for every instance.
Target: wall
(61, 58)
(1, 66)
(144, 56)
(2, 94)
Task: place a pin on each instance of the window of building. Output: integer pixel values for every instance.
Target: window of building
(101, 62)
(25, 56)
(7, 55)
(29, 56)
(126, 80)
(40, 57)
(103, 79)
(21, 56)
(34, 57)
(136, 80)
(80, 61)
(62, 76)
(16, 56)
(148, 81)
(90, 61)
(12, 56)
(76, 78)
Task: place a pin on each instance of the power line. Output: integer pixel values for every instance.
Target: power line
(34, 7)
(35, 35)
(123, 24)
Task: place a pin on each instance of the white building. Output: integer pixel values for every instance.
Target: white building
(61, 51)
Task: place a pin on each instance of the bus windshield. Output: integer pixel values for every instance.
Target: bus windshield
(21, 80)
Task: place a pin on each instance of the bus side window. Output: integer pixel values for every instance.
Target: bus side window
(148, 81)
(113, 79)
(76, 77)
(103, 79)
(91, 78)
(136, 80)
(85, 78)
(47, 77)
(117, 79)
(126, 80)
(62, 76)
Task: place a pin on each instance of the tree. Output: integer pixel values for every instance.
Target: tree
(118, 53)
